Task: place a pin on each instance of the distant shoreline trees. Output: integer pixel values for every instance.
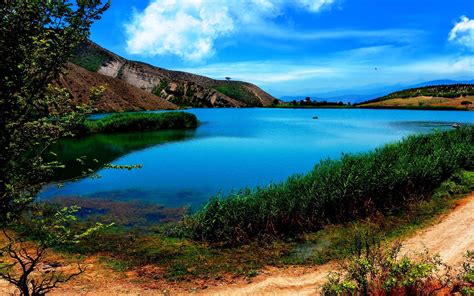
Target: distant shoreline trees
(307, 102)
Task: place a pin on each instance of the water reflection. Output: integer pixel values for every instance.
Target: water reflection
(92, 152)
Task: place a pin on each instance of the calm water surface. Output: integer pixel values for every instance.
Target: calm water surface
(232, 149)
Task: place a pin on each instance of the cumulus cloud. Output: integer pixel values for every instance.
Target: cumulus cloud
(189, 28)
(181, 27)
(463, 33)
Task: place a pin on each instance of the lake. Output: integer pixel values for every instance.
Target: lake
(232, 149)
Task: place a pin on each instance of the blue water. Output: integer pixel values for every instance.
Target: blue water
(237, 148)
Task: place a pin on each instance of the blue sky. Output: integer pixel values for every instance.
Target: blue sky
(297, 47)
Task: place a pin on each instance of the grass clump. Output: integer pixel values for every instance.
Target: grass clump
(128, 122)
(338, 191)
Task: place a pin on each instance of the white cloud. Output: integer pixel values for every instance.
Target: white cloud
(181, 27)
(189, 28)
(315, 5)
(463, 33)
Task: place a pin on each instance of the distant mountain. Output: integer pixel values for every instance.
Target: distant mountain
(442, 82)
(362, 95)
(460, 96)
(134, 85)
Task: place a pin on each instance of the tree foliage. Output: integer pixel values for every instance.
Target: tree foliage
(36, 40)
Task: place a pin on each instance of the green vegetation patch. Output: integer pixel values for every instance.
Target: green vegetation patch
(422, 107)
(89, 58)
(337, 241)
(238, 92)
(159, 87)
(127, 122)
(338, 191)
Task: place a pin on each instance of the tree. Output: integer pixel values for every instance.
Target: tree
(228, 78)
(49, 228)
(466, 103)
(36, 40)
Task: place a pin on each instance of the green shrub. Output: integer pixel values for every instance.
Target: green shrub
(377, 270)
(159, 87)
(460, 183)
(338, 191)
(127, 122)
(381, 271)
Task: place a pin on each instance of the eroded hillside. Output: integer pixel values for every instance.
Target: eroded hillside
(164, 89)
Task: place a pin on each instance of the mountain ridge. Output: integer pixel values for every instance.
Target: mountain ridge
(167, 89)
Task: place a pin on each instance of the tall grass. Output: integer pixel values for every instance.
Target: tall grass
(336, 191)
(127, 122)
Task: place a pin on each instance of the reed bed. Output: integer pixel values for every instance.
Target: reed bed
(384, 181)
(127, 122)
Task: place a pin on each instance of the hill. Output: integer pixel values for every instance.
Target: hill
(357, 95)
(458, 96)
(139, 86)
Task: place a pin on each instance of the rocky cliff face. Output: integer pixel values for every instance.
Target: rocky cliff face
(176, 88)
(119, 95)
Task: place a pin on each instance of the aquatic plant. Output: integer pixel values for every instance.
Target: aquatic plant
(126, 122)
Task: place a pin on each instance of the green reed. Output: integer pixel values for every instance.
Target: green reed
(386, 180)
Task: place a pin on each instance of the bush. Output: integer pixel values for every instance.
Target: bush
(460, 183)
(377, 270)
(381, 271)
(127, 122)
(338, 191)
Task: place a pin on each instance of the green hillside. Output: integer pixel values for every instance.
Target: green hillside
(442, 91)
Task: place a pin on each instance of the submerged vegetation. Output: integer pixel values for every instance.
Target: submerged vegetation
(79, 155)
(127, 122)
(338, 191)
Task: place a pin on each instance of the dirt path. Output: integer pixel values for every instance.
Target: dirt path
(451, 236)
